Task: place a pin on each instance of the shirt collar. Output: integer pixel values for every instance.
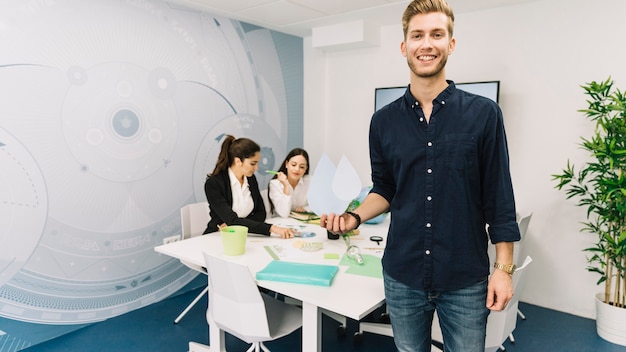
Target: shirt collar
(234, 182)
(439, 100)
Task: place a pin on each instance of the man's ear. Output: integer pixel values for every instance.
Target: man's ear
(403, 48)
(452, 46)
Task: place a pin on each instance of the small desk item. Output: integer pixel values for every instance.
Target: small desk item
(299, 273)
(376, 239)
(305, 234)
(371, 267)
(304, 216)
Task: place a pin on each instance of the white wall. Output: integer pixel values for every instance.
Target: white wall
(541, 52)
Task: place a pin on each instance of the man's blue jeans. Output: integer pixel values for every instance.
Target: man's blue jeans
(462, 315)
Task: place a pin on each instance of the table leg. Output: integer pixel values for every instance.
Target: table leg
(311, 328)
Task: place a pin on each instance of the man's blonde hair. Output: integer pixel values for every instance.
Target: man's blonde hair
(417, 7)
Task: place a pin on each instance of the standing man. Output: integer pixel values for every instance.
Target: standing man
(440, 165)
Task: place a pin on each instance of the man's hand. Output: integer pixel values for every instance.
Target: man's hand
(500, 290)
(338, 224)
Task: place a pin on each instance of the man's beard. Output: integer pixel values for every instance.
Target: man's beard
(436, 71)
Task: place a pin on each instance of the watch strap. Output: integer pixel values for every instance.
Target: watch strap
(507, 268)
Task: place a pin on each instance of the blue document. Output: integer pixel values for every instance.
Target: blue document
(299, 273)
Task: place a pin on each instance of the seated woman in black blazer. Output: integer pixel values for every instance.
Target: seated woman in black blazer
(233, 192)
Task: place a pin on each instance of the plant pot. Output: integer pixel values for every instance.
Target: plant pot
(610, 321)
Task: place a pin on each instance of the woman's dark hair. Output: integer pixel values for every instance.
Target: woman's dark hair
(232, 148)
(283, 169)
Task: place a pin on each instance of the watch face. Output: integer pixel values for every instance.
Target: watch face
(509, 269)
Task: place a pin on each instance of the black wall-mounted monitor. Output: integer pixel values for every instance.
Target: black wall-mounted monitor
(489, 89)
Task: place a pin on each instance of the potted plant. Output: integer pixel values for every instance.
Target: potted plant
(599, 185)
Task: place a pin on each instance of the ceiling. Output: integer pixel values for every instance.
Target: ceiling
(298, 17)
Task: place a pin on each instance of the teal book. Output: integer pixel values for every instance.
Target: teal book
(299, 273)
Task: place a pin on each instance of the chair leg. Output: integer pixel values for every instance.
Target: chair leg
(521, 315)
(511, 338)
(257, 346)
(181, 315)
(198, 347)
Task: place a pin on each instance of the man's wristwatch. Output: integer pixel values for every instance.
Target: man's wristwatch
(507, 268)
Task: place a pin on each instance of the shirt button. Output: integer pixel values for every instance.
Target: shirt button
(421, 119)
(428, 225)
(429, 198)
(443, 102)
(430, 144)
(427, 252)
(430, 171)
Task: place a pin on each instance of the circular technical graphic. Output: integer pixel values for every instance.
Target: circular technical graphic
(119, 121)
(60, 286)
(241, 125)
(119, 151)
(22, 196)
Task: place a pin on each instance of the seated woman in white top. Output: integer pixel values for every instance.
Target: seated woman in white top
(288, 189)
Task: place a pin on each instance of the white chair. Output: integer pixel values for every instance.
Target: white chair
(266, 203)
(194, 219)
(522, 223)
(523, 228)
(237, 307)
(500, 325)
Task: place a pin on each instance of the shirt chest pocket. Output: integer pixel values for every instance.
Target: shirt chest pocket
(460, 151)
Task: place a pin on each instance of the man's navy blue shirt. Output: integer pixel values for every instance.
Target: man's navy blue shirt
(446, 181)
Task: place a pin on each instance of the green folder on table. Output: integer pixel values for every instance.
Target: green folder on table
(299, 273)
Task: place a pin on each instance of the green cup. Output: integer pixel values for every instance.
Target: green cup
(234, 239)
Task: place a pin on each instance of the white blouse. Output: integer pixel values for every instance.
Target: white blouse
(243, 204)
(284, 204)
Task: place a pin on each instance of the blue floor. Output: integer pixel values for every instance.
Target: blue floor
(152, 329)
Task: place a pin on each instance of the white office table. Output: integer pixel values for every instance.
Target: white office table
(350, 295)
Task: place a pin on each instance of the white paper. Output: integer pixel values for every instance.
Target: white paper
(332, 189)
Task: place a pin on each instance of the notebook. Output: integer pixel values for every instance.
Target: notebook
(299, 273)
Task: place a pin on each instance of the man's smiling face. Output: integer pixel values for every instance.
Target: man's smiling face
(427, 44)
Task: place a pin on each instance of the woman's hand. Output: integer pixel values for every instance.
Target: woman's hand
(282, 177)
(300, 210)
(284, 232)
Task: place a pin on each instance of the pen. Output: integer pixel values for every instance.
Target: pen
(272, 172)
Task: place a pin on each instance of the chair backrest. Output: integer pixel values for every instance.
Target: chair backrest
(235, 303)
(523, 224)
(501, 324)
(194, 218)
(518, 281)
(266, 202)
(523, 228)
